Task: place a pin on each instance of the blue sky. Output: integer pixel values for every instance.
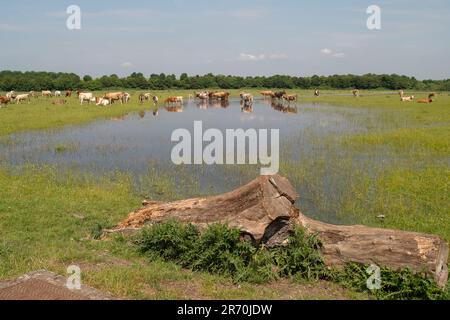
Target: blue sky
(245, 37)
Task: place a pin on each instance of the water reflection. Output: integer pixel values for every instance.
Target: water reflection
(280, 106)
(174, 109)
(212, 104)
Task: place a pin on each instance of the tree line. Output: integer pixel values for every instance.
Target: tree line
(27, 81)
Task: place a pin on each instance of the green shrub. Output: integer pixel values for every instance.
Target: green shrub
(170, 241)
(395, 285)
(220, 249)
(301, 258)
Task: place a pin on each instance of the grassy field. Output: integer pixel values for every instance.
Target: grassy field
(50, 220)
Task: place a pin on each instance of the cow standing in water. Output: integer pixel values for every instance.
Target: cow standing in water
(279, 95)
(155, 100)
(290, 97)
(267, 94)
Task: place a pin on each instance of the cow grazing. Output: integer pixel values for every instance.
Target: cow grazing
(68, 93)
(173, 100)
(407, 99)
(144, 97)
(425, 101)
(32, 94)
(11, 95)
(47, 93)
(4, 100)
(85, 96)
(114, 96)
(59, 102)
(22, 97)
(57, 93)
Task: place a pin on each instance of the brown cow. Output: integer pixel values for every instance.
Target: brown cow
(114, 96)
(290, 97)
(220, 95)
(4, 100)
(59, 102)
(173, 100)
(267, 94)
(425, 101)
(279, 95)
(68, 93)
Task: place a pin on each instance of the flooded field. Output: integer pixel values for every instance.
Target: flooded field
(139, 145)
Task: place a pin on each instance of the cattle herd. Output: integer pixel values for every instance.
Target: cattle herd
(210, 96)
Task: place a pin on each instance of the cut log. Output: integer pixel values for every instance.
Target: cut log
(264, 210)
(382, 247)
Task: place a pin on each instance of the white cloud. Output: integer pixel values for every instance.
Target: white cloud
(127, 64)
(339, 55)
(260, 57)
(251, 57)
(329, 52)
(326, 51)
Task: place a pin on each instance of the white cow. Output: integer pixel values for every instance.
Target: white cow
(11, 95)
(126, 97)
(58, 93)
(86, 96)
(180, 99)
(102, 101)
(411, 98)
(23, 97)
(46, 93)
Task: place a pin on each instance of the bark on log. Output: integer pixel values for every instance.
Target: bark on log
(264, 210)
(251, 208)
